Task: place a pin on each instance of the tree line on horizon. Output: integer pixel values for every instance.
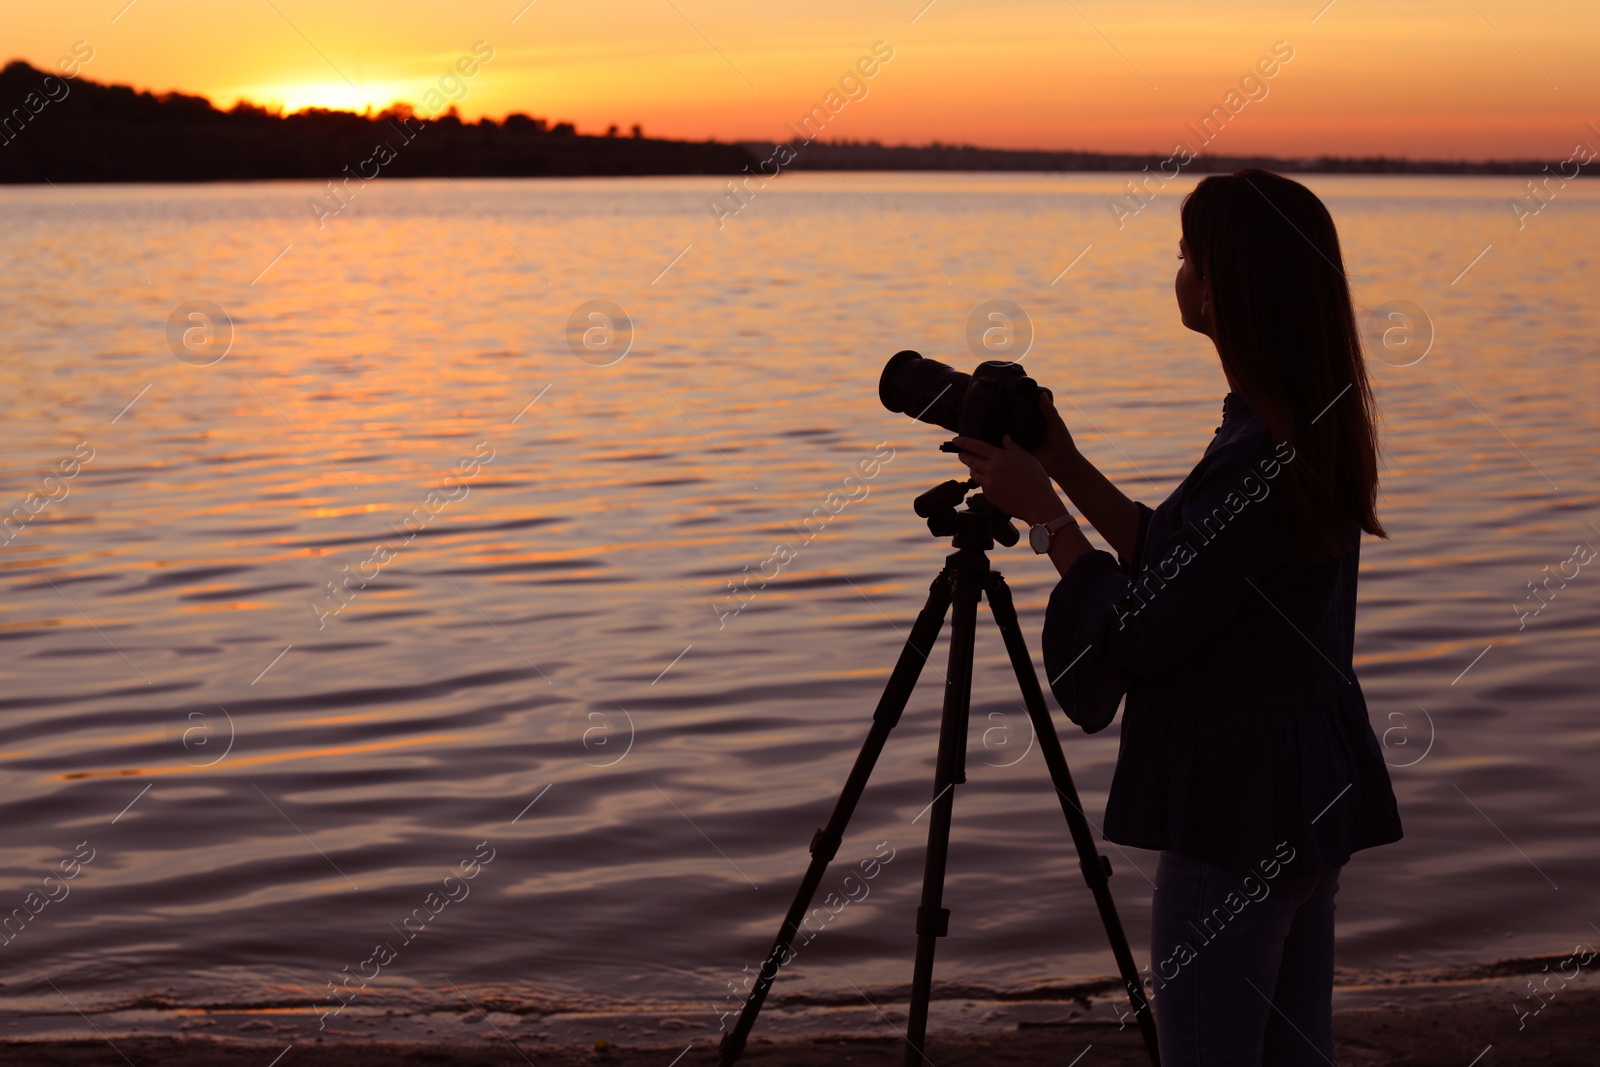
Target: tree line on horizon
(77, 130)
(873, 155)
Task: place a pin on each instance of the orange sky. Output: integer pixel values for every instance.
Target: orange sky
(1421, 78)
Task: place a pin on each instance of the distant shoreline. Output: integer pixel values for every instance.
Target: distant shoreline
(857, 156)
(63, 130)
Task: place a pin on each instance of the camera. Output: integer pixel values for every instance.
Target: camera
(996, 399)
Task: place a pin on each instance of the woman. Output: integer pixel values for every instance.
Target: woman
(1228, 621)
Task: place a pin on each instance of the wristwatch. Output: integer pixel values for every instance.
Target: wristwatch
(1040, 534)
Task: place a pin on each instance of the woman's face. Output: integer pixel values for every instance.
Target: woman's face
(1194, 298)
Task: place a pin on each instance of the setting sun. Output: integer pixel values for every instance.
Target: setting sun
(333, 95)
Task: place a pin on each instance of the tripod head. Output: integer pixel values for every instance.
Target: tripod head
(979, 525)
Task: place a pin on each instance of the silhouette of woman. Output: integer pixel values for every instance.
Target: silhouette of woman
(1227, 621)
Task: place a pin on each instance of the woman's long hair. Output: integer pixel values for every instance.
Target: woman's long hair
(1286, 331)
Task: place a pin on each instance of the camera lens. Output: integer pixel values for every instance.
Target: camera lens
(925, 389)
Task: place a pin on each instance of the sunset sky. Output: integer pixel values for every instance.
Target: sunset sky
(1421, 78)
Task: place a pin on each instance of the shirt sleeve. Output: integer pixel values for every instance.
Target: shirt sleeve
(1130, 564)
(1108, 626)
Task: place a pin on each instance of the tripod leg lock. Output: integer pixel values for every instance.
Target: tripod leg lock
(935, 921)
(1089, 867)
(823, 846)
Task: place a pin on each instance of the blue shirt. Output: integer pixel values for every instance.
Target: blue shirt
(1244, 724)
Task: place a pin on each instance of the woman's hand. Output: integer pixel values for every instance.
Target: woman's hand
(1058, 447)
(1012, 479)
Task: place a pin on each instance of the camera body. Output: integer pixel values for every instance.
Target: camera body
(996, 399)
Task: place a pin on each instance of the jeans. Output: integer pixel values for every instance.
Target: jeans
(1242, 965)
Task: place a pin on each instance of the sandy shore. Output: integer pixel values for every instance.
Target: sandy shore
(1481, 1033)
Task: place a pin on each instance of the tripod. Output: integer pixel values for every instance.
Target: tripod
(966, 577)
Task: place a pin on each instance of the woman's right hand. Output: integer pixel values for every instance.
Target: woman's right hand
(1058, 448)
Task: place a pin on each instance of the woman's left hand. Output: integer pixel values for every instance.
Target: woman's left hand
(1012, 479)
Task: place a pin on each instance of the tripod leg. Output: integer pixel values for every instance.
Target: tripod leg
(1096, 868)
(933, 919)
(825, 842)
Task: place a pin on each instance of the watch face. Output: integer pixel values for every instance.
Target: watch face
(1039, 539)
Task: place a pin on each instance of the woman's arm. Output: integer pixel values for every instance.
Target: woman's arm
(1067, 546)
(1107, 508)
(1196, 579)
(1105, 629)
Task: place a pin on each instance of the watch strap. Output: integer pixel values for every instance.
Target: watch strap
(1060, 522)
